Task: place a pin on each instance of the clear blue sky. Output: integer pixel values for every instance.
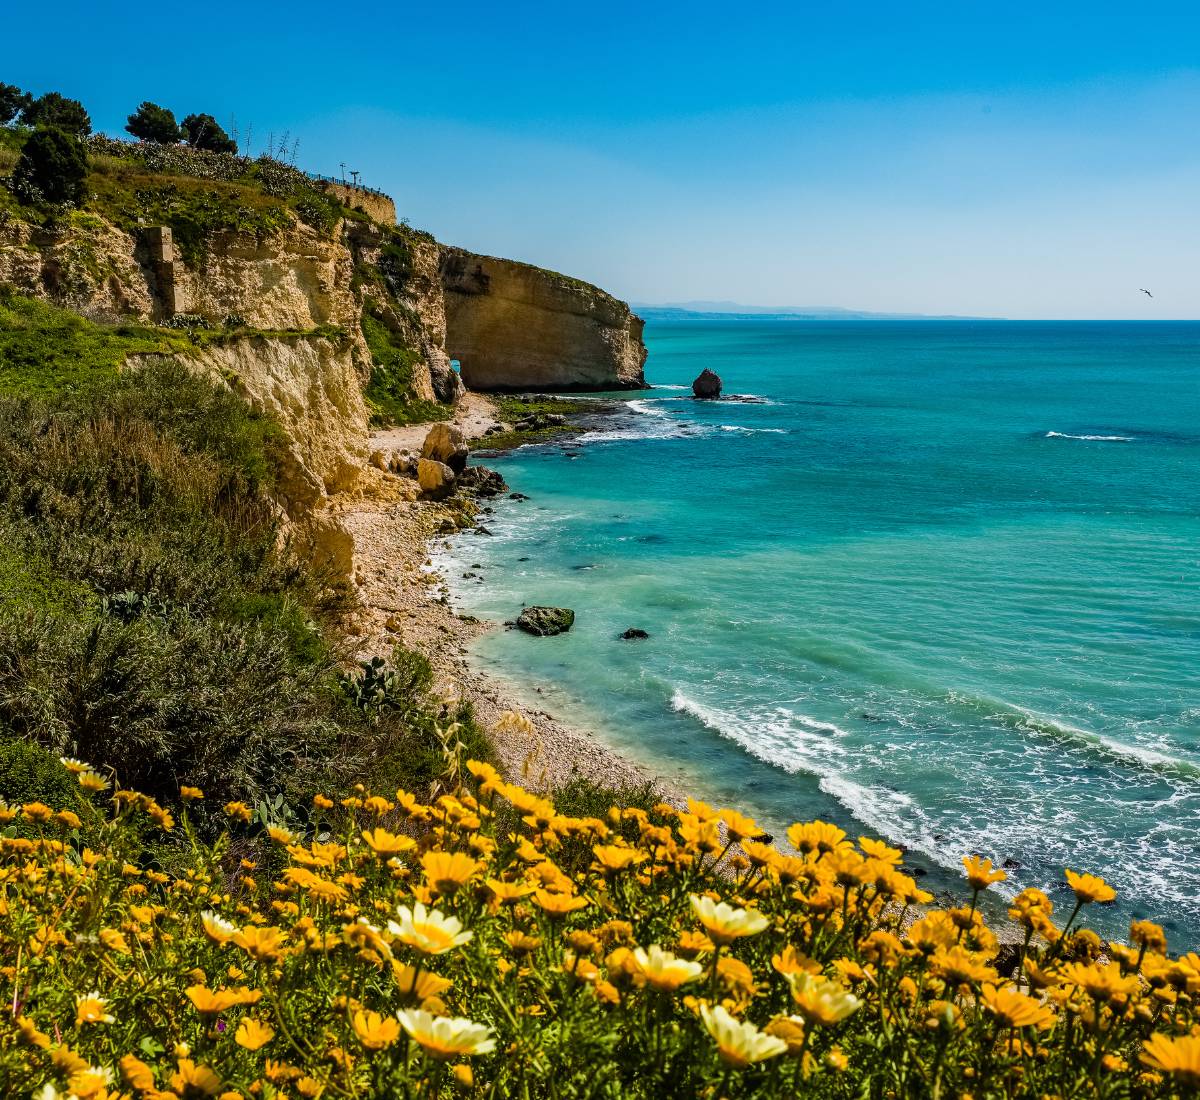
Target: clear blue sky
(1021, 159)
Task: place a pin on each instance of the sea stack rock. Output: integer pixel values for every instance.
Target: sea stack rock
(707, 385)
(545, 621)
(444, 443)
(435, 478)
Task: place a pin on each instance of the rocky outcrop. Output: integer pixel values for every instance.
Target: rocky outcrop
(435, 478)
(445, 444)
(515, 327)
(545, 621)
(707, 384)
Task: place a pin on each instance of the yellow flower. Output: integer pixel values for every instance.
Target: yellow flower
(239, 811)
(1089, 888)
(980, 874)
(958, 965)
(723, 922)
(89, 1082)
(162, 818)
(816, 836)
(1147, 934)
(876, 849)
(446, 1037)
(93, 782)
(418, 983)
(209, 1002)
(820, 1001)
(1101, 982)
(739, 826)
(89, 1009)
(508, 892)
(384, 843)
(664, 971)
(73, 765)
(253, 1034)
(192, 1080)
(217, 928)
(37, 812)
(446, 872)
(428, 930)
(1179, 1057)
(1015, 1009)
(739, 1043)
(262, 944)
(375, 1032)
(114, 941)
(136, 1073)
(558, 905)
(612, 858)
(191, 794)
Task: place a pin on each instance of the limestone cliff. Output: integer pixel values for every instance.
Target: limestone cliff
(294, 316)
(512, 326)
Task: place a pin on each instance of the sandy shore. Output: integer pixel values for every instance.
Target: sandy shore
(404, 603)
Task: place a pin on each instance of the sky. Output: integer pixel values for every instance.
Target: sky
(1035, 160)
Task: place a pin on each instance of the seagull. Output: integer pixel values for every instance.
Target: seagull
(1145, 292)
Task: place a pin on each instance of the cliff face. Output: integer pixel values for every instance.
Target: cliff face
(512, 326)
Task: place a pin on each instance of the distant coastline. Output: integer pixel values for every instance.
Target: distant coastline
(704, 310)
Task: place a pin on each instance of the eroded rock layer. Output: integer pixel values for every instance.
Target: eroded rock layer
(512, 326)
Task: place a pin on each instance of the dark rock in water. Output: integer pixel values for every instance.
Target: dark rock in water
(545, 621)
(481, 530)
(1007, 959)
(916, 872)
(536, 421)
(522, 559)
(707, 384)
(764, 838)
(635, 632)
(517, 496)
(482, 482)
(1011, 864)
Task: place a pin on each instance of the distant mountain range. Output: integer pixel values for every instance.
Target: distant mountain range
(668, 310)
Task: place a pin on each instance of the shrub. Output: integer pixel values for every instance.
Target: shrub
(486, 944)
(204, 132)
(28, 773)
(150, 122)
(13, 102)
(53, 168)
(58, 112)
(389, 391)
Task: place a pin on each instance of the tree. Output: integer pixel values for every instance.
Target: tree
(59, 112)
(53, 167)
(150, 122)
(204, 132)
(12, 102)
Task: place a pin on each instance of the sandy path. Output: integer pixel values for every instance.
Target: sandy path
(403, 603)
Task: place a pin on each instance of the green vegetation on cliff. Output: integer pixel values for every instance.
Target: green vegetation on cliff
(153, 618)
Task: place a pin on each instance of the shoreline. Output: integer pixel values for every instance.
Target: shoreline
(403, 601)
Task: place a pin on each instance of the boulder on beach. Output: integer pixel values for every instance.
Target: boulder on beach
(707, 384)
(445, 443)
(634, 632)
(435, 478)
(545, 621)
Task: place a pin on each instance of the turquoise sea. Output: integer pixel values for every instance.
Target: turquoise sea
(936, 581)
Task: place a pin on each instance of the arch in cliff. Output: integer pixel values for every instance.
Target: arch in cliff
(512, 326)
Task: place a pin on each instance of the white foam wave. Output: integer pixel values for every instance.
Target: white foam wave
(753, 431)
(1091, 438)
(665, 386)
(643, 405)
(1138, 754)
(779, 737)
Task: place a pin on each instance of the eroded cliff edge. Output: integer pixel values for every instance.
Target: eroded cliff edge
(513, 326)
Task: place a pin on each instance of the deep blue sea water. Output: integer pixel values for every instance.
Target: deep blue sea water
(937, 581)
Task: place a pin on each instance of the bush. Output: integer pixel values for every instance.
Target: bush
(29, 773)
(13, 102)
(58, 112)
(204, 132)
(150, 122)
(53, 168)
(486, 944)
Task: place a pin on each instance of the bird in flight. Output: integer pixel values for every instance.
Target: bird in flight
(1145, 292)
